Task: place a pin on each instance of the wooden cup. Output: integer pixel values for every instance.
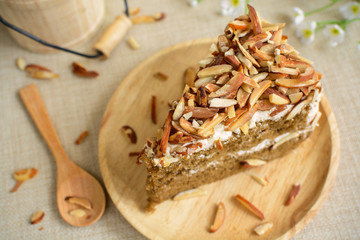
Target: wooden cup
(67, 23)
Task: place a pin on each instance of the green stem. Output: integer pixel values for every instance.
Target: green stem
(246, 8)
(322, 8)
(341, 23)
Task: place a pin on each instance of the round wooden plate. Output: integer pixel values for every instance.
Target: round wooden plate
(313, 164)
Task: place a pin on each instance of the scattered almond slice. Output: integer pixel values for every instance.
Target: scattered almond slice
(248, 205)
(134, 154)
(222, 103)
(219, 217)
(197, 192)
(206, 61)
(130, 133)
(148, 19)
(37, 217)
(82, 202)
(20, 63)
(214, 70)
(161, 76)
(190, 76)
(293, 194)
(40, 74)
(133, 43)
(153, 110)
(251, 82)
(250, 163)
(134, 11)
(261, 179)
(263, 228)
(286, 138)
(81, 137)
(81, 71)
(78, 213)
(23, 175)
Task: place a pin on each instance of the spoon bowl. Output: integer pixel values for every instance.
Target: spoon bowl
(72, 181)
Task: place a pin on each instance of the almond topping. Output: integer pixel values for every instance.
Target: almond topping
(153, 110)
(201, 112)
(249, 206)
(37, 217)
(296, 110)
(231, 112)
(286, 138)
(239, 25)
(190, 76)
(245, 128)
(232, 60)
(255, 20)
(210, 123)
(263, 228)
(166, 133)
(293, 194)
(161, 76)
(243, 119)
(218, 144)
(285, 70)
(214, 70)
(175, 138)
(278, 100)
(81, 137)
(187, 125)
(242, 97)
(251, 82)
(265, 105)
(255, 95)
(232, 85)
(197, 192)
(82, 202)
(295, 97)
(201, 97)
(250, 163)
(130, 133)
(247, 54)
(278, 109)
(20, 63)
(219, 217)
(210, 87)
(222, 103)
(223, 43)
(78, 213)
(179, 109)
(81, 71)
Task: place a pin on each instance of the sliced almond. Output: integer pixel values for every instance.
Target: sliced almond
(37, 217)
(39, 74)
(255, 20)
(81, 71)
(222, 103)
(274, 76)
(187, 125)
(255, 95)
(259, 77)
(219, 144)
(259, 38)
(261, 179)
(161, 76)
(268, 48)
(296, 110)
(232, 85)
(179, 109)
(219, 217)
(293, 194)
(262, 56)
(250, 163)
(153, 110)
(129, 131)
(278, 109)
(214, 50)
(25, 174)
(285, 70)
(133, 43)
(276, 38)
(175, 138)
(166, 133)
(245, 128)
(243, 119)
(223, 43)
(206, 61)
(239, 25)
(80, 201)
(202, 81)
(247, 54)
(278, 100)
(201, 97)
(134, 11)
(242, 97)
(201, 112)
(231, 112)
(251, 82)
(78, 213)
(210, 87)
(295, 97)
(190, 76)
(223, 79)
(211, 123)
(249, 206)
(294, 83)
(197, 192)
(285, 139)
(232, 60)
(263, 228)
(214, 70)
(20, 63)
(81, 137)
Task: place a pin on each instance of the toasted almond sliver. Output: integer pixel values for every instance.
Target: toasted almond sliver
(37, 217)
(286, 138)
(210, 123)
(219, 144)
(39, 74)
(166, 132)
(261, 179)
(219, 217)
(190, 76)
(78, 213)
(255, 95)
(255, 20)
(20, 63)
(214, 70)
(243, 119)
(197, 192)
(245, 128)
(294, 83)
(231, 112)
(293, 194)
(222, 103)
(253, 162)
(161, 76)
(80, 70)
(248, 205)
(133, 43)
(278, 100)
(134, 11)
(263, 228)
(25, 174)
(129, 131)
(81, 137)
(153, 110)
(82, 202)
(297, 109)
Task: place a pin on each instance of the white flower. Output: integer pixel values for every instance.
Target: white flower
(233, 8)
(335, 34)
(358, 45)
(298, 15)
(306, 32)
(193, 3)
(350, 10)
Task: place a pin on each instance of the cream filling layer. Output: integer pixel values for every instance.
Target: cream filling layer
(223, 135)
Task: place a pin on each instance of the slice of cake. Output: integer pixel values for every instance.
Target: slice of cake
(254, 99)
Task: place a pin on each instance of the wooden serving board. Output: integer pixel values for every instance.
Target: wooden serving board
(313, 164)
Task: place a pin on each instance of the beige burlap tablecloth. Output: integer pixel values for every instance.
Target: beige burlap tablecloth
(76, 104)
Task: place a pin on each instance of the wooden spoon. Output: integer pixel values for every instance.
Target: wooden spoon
(71, 179)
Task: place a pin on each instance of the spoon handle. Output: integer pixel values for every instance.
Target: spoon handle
(34, 104)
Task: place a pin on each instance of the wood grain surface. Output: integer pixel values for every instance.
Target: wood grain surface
(313, 164)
